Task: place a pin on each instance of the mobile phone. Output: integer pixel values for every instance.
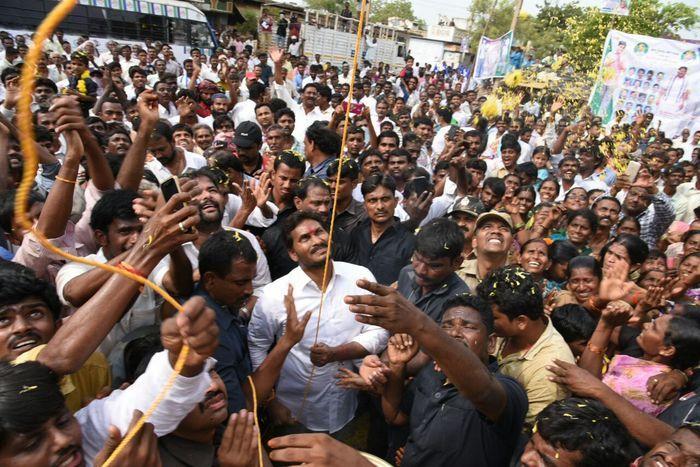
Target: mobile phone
(170, 188)
(632, 170)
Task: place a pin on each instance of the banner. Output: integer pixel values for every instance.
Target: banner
(493, 57)
(615, 7)
(642, 74)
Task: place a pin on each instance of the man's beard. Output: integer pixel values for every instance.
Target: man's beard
(208, 219)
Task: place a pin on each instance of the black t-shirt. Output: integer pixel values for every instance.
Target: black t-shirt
(282, 27)
(388, 255)
(447, 430)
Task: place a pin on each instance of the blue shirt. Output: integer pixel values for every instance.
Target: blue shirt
(319, 170)
(232, 356)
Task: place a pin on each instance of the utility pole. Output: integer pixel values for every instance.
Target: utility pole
(516, 15)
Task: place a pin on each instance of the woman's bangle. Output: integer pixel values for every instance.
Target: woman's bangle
(65, 180)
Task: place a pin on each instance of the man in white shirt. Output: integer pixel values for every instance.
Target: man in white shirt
(305, 113)
(317, 402)
(116, 228)
(127, 60)
(165, 159)
(244, 110)
(39, 409)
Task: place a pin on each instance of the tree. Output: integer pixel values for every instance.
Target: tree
(489, 18)
(546, 31)
(584, 35)
(382, 10)
(333, 6)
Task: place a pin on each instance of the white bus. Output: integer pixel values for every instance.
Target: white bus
(175, 22)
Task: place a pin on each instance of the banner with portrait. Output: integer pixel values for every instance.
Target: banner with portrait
(615, 7)
(648, 75)
(493, 57)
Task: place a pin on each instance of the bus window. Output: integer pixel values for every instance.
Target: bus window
(154, 28)
(200, 35)
(123, 24)
(178, 31)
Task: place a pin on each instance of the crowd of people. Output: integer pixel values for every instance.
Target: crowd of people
(499, 291)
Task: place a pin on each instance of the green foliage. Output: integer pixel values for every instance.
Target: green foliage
(382, 10)
(580, 31)
(250, 25)
(490, 18)
(584, 35)
(333, 6)
(546, 31)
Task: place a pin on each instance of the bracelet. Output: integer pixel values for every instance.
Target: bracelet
(595, 349)
(61, 179)
(129, 268)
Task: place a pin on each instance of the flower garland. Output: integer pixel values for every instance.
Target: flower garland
(82, 88)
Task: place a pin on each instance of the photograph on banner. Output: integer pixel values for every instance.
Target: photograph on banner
(615, 7)
(642, 74)
(493, 57)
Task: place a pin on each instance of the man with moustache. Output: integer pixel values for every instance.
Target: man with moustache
(465, 213)
(381, 242)
(210, 203)
(430, 280)
(164, 158)
(493, 237)
(322, 405)
(227, 263)
(310, 195)
(607, 208)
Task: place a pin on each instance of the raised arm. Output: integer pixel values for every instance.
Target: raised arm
(643, 427)
(390, 310)
(615, 314)
(80, 335)
(276, 55)
(131, 171)
(56, 211)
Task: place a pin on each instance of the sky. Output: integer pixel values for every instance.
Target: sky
(430, 9)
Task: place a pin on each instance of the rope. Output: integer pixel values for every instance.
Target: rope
(358, 42)
(255, 416)
(31, 158)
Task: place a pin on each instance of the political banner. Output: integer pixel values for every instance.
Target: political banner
(615, 7)
(648, 75)
(493, 57)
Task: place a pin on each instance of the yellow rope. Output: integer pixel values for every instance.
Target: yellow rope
(255, 416)
(358, 42)
(24, 118)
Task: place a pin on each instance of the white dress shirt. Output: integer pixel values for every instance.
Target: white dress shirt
(328, 407)
(302, 120)
(118, 408)
(145, 311)
(262, 270)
